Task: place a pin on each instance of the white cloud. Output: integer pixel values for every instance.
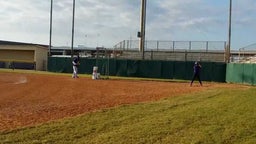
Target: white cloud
(107, 22)
(21, 21)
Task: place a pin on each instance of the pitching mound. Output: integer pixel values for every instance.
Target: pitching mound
(28, 99)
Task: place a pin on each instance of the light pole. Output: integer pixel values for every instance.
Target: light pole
(143, 26)
(73, 23)
(229, 33)
(50, 39)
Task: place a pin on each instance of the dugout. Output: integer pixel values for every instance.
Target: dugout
(19, 55)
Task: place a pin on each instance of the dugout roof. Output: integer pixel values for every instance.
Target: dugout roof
(3, 42)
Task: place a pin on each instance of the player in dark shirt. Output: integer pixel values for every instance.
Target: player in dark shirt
(197, 69)
(75, 63)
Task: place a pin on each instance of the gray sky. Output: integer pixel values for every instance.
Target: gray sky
(107, 22)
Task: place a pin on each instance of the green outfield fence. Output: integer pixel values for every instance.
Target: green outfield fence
(211, 71)
(241, 73)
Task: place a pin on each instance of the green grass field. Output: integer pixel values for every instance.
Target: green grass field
(221, 115)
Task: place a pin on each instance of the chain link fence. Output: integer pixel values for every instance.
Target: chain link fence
(173, 45)
(246, 54)
(213, 51)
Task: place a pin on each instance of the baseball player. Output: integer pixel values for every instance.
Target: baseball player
(197, 68)
(75, 63)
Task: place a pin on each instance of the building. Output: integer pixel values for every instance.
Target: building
(88, 52)
(23, 55)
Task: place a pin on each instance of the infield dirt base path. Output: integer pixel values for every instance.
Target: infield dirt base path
(29, 99)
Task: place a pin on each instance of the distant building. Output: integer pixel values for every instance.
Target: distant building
(89, 52)
(23, 55)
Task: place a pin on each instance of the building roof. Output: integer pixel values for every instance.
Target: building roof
(2, 42)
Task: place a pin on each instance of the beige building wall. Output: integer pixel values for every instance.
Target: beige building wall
(17, 47)
(41, 56)
(18, 55)
(25, 53)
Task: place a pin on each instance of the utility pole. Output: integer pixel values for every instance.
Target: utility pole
(143, 27)
(50, 39)
(229, 33)
(73, 24)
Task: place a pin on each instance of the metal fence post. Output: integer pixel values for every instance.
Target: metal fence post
(186, 55)
(123, 45)
(157, 45)
(173, 45)
(190, 45)
(152, 54)
(207, 44)
(127, 44)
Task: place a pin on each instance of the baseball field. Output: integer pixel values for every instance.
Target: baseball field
(41, 107)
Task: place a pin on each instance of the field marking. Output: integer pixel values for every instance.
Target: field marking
(21, 80)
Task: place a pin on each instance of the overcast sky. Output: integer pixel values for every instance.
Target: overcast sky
(107, 22)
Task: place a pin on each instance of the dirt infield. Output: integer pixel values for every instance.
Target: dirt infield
(28, 99)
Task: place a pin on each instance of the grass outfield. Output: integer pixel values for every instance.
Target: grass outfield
(213, 116)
